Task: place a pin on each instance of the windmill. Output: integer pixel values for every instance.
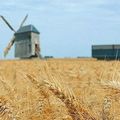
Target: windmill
(26, 40)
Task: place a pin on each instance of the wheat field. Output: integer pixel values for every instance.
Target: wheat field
(59, 89)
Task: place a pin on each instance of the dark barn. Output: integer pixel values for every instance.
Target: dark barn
(109, 52)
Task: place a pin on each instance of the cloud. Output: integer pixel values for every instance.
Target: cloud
(66, 6)
(37, 4)
(92, 10)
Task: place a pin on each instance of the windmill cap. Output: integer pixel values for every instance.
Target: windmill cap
(27, 28)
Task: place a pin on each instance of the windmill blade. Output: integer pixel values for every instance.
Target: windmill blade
(8, 24)
(9, 46)
(24, 20)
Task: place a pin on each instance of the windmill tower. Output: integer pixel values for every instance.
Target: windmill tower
(26, 40)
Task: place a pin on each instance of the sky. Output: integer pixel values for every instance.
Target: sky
(68, 28)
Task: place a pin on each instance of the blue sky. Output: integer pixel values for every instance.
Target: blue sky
(68, 27)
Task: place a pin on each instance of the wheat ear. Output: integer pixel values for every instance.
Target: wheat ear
(75, 110)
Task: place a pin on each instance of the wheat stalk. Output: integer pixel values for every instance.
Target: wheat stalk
(106, 108)
(114, 85)
(74, 109)
(5, 110)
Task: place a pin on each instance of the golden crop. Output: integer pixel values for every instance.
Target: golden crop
(59, 89)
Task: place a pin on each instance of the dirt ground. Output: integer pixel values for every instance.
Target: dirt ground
(23, 95)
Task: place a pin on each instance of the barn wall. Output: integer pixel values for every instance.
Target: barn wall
(106, 52)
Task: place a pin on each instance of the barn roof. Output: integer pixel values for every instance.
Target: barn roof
(28, 28)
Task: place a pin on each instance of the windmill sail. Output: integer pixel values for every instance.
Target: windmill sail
(9, 46)
(24, 20)
(8, 24)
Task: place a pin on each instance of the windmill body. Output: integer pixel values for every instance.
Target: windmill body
(27, 42)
